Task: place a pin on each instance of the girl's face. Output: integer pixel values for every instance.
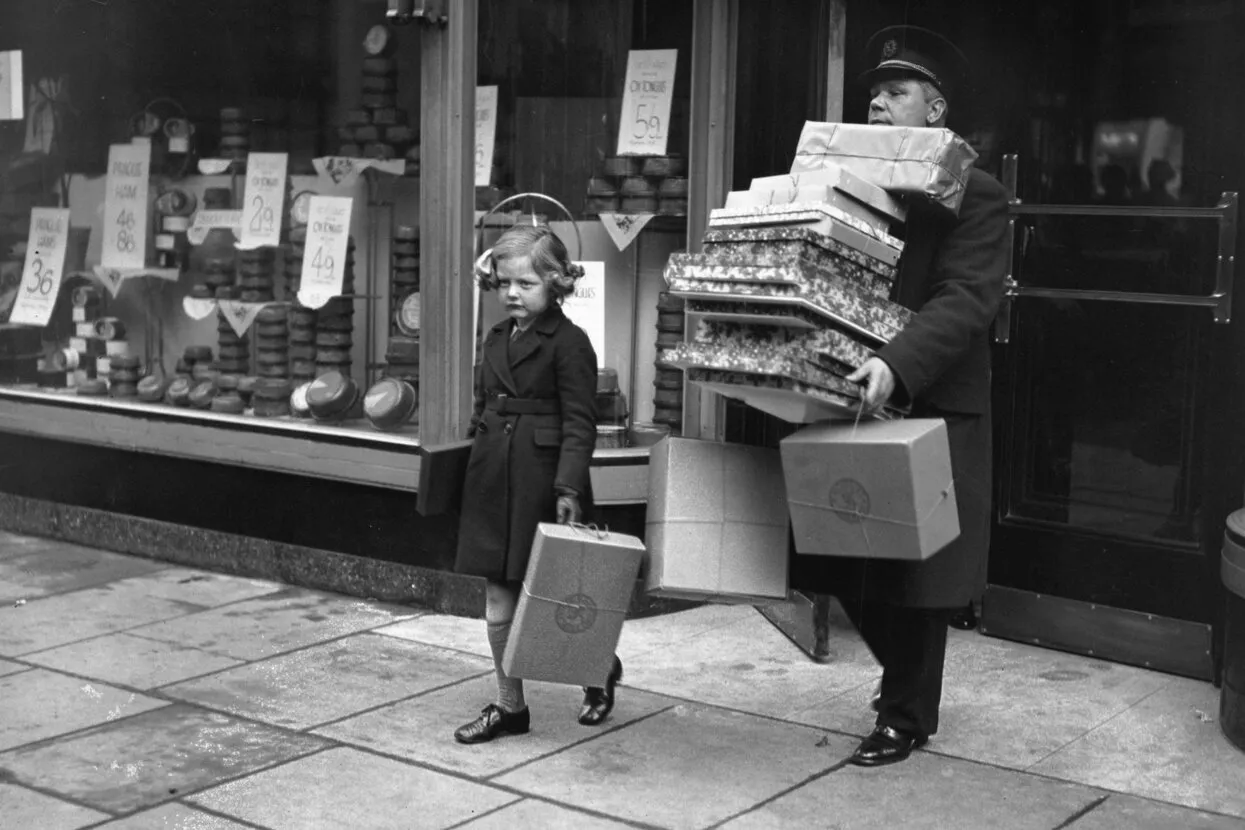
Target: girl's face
(523, 292)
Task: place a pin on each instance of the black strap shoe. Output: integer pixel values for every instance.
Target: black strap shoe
(493, 722)
(885, 746)
(598, 703)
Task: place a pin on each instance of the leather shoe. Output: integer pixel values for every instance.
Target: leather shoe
(965, 619)
(598, 703)
(885, 745)
(493, 722)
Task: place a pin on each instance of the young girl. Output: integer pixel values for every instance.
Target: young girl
(534, 429)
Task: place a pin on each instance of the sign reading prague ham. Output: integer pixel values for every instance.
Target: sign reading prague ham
(125, 206)
(644, 123)
(45, 261)
(263, 200)
(486, 133)
(324, 259)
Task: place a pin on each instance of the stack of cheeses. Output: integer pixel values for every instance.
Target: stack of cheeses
(791, 291)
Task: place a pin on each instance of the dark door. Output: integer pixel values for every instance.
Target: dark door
(1107, 388)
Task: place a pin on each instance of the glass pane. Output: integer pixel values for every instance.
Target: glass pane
(1105, 416)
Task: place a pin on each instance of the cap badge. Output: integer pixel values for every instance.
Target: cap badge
(889, 48)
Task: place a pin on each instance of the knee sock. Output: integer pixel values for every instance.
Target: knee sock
(509, 689)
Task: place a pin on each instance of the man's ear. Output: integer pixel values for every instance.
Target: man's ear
(937, 111)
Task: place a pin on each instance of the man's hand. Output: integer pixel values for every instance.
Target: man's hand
(568, 510)
(878, 381)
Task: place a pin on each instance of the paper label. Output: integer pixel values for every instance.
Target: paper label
(486, 133)
(125, 206)
(214, 167)
(324, 259)
(586, 307)
(263, 200)
(45, 260)
(644, 123)
(623, 228)
(345, 171)
(205, 220)
(11, 86)
(239, 314)
(197, 308)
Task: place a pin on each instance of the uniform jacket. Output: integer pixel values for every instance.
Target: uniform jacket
(951, 274)
(520, 463)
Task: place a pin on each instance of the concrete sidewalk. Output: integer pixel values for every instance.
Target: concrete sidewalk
(141, 695)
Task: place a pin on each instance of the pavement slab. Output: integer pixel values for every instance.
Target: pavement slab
(202, 587)
(23, 808)
(8, 667)
(1007, 703)
(17, 544)
(751, 666)
(444, 631)
(352, 790)
(326, 682)
(274, 623)
(532, 813)
(42, 570)
(926, 792)
(154, 757)
(40, 704)
(41, 624)
(688, 767)
(422, 728)
(1126, 812)
(1169, 746)
(173, 817)
(132, 661)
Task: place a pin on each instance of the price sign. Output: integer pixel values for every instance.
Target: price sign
(486, 133)
(586, 307)
(644, 124)
(205, 220)
(198, 308)
(324, 258)
(45, 258)
(263, 200)
(11, 86)
(125, 206)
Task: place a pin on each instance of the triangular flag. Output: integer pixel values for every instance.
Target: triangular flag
(623, 228)
(340, 170)
(110, 277)
(198, 308)
(239, 314)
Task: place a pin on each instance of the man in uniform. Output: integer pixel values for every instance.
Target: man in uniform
(951, 274)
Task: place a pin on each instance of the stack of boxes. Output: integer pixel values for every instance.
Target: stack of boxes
(611, 411)
(668, 392)
(380, 129)
(235, 137)
(639, 184)
(257, 275)
(404, 307)
(335, 325)
(272, 342)
(234, 349)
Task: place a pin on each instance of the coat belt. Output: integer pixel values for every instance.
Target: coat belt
(506, 405)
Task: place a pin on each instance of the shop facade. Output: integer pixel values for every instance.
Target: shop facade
(1116, 458)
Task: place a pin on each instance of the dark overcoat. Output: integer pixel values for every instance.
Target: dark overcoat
(521, 463)
(951, 273)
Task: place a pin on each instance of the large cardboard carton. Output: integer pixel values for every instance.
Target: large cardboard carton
(570, 613)
(877, 489)
(717, 523)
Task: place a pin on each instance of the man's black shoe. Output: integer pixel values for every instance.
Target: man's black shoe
(494, 721)
(885, 746)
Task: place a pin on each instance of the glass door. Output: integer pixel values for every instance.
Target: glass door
(1107, 531)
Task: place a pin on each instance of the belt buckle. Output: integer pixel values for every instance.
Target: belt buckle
(501, 403)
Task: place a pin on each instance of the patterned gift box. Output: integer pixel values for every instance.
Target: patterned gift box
(875, 319)
(735, 311)
(826, 220)
(575, 596)
(754, 242)
(843, 180)
(931, 163)
(717, 526)
(791, 400)
(830, 348)
(779, 264)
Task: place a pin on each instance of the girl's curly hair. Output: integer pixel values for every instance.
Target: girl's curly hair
(545, 250)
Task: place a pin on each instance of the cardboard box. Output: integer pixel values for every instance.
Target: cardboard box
(843, 180)
(877, 489)
(571, 609)
(808, 195)
(717, 523)
(930, 163)
(823, 219)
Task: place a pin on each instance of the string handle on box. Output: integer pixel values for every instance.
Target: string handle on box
(590, 529)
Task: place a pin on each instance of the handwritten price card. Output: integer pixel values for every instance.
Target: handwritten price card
(11, 86)
(324, 259)
(486, 133)
(644, 123)
(263, 200)
(125, 206)
(45, 259)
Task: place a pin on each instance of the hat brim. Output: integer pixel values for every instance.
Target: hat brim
(900, 69)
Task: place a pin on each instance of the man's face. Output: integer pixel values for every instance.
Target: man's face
(899, 102)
